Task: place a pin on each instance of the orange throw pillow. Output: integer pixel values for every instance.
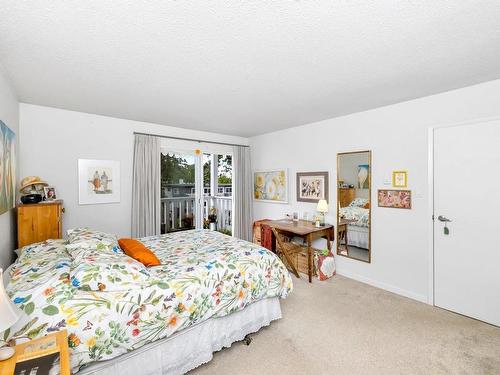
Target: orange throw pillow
(138, 251)
(367, 205)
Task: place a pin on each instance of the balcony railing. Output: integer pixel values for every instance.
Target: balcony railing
(178, 213)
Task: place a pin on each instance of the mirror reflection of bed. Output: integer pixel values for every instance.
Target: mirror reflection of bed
(353, 211)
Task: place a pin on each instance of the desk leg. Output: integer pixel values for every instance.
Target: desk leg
(309, 257)
(329, 240)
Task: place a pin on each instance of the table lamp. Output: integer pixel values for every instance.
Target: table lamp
(9, 315)
(322, 208)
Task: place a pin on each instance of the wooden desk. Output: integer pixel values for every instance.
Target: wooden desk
(307, 231)
(7, 366)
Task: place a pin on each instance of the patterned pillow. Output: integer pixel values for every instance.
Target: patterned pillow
(81, 235)
(38, 264)
(358, 202)
(107, 272)
(92, 247)
(40, 247)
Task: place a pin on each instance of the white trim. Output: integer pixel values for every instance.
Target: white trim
(430, 207)
(467, 122)
(199, 192)
(384, 286)
(430, 215)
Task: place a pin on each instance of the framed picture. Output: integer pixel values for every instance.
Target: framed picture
(98, 181)
(50, 193)
(7, 168)
(312, 186)
(271, 186)
(399, 179)
(363, 176)
(394, 198)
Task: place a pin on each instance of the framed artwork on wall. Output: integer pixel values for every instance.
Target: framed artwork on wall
(394, 198)
(399, 179)
(363, 176)
(7, 168)
(312, 186)
(98, 181)
(271, 186)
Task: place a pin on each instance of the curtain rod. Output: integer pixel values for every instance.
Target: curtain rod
(191, 139)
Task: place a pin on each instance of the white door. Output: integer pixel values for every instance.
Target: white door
(467, 192)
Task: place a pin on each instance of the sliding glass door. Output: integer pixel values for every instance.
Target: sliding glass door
(178, 191)
(196, 191)
(218, 191)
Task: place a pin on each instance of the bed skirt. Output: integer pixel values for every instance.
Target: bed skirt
(192, 346)
(358, 236)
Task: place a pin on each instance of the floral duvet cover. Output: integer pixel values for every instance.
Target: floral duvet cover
(203, 274)
(359, 215)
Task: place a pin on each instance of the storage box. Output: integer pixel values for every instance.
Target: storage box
(301, 263)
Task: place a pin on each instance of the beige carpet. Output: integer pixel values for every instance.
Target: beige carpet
(345, 327)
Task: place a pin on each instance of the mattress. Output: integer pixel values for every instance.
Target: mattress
(192, 346)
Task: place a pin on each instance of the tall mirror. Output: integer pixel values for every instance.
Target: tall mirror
(353, 205)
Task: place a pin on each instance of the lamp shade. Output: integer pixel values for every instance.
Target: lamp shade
(9, 314)
(322, 206)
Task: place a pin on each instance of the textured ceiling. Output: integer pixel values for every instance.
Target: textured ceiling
(244, 67)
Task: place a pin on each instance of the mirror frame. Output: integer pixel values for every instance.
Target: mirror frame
(371, 204)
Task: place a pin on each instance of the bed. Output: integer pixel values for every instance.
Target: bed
(209, 291)
(358, 217)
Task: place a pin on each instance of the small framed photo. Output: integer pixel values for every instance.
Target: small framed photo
(50, 193)
(399, 179)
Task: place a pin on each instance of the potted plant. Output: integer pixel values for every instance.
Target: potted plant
(212, 218)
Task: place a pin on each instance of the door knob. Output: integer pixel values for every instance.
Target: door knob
(443, 219)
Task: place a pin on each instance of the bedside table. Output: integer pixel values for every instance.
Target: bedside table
(56, 342)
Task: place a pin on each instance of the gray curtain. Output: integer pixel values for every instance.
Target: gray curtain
(243, 193)
(146, 186)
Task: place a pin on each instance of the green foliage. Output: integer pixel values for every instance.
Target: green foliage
(224, 180)
(175, 168)
(225, 168)
(225, 231)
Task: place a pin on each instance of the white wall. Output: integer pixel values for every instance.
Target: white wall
(54, 139)
(398, 138)
(9, 114)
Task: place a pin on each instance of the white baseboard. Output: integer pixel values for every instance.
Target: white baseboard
(384, 286)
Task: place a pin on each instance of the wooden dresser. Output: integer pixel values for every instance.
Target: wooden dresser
(39, 222)
(346, 196)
